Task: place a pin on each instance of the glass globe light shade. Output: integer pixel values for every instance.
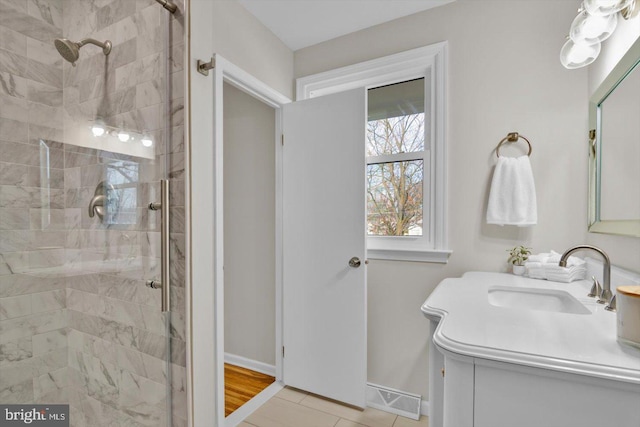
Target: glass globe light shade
(123, 136)
(576, 55)
(97, 129)
(147, 141)
(592, 29)
(605, 7)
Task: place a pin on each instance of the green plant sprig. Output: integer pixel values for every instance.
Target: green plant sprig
(518, 255)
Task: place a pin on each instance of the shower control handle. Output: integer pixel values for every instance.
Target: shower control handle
(96, 206)
(99, 201)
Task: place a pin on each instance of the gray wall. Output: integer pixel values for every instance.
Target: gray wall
(240, 38)
(249, 227)
(243, 40)
(504, 75)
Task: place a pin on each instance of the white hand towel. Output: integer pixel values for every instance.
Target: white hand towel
(512, 200)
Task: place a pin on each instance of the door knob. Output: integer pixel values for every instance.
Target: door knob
(354, 262)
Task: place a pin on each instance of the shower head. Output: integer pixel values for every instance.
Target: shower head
(70, 50)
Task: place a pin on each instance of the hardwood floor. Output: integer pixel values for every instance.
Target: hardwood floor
(240, 385)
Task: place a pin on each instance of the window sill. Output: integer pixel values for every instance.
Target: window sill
(440, 256)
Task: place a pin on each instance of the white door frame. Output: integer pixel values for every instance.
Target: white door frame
(212, 329)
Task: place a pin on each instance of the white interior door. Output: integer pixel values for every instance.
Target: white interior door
(324, 299)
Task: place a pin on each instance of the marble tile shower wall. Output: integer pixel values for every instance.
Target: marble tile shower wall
(75, 316)
(33, 323)
(117, 335)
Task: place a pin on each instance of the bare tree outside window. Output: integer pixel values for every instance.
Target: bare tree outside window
(394, 192)
(394, 135)
(123, 198)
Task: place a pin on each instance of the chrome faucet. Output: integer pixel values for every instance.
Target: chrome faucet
(606, 296)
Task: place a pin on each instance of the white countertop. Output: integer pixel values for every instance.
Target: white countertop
(575, 343)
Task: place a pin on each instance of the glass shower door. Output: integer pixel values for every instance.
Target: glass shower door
(83, 149)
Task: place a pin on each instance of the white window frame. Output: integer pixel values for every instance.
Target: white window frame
(412, 243)
(430, 63)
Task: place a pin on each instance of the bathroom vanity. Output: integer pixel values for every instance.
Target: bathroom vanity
(513, 351)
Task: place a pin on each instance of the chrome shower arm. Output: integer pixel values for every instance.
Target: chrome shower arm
(168, 5)
(106, 46)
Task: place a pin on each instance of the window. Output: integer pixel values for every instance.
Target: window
(395, 153)
(122, 193)
(405, 149)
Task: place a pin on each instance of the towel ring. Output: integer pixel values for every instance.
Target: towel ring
(512, 137)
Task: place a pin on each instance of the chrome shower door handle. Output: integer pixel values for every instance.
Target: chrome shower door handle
(164, 283)
(96, 206)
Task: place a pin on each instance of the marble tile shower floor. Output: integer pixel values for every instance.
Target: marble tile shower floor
(294, 408)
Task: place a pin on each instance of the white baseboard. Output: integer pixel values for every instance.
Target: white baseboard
(424, 408)
(254, 365)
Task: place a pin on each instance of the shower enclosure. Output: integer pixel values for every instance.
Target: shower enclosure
(84, 147)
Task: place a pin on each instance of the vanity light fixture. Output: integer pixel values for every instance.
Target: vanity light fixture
(596, 22)
(99, 129)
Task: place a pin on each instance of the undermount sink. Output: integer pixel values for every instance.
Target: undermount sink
(535, 299)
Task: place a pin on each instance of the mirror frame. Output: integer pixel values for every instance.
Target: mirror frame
(615, 77)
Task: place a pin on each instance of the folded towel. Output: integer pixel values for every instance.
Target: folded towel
(554, 258)
(538, 257)
(545, 266)
(512, 199)
(575, 261)
(564, 274)
(535, 270)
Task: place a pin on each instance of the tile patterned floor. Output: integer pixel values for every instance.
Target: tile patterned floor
(294, 408)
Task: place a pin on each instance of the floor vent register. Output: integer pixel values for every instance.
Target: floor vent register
(394, 401)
